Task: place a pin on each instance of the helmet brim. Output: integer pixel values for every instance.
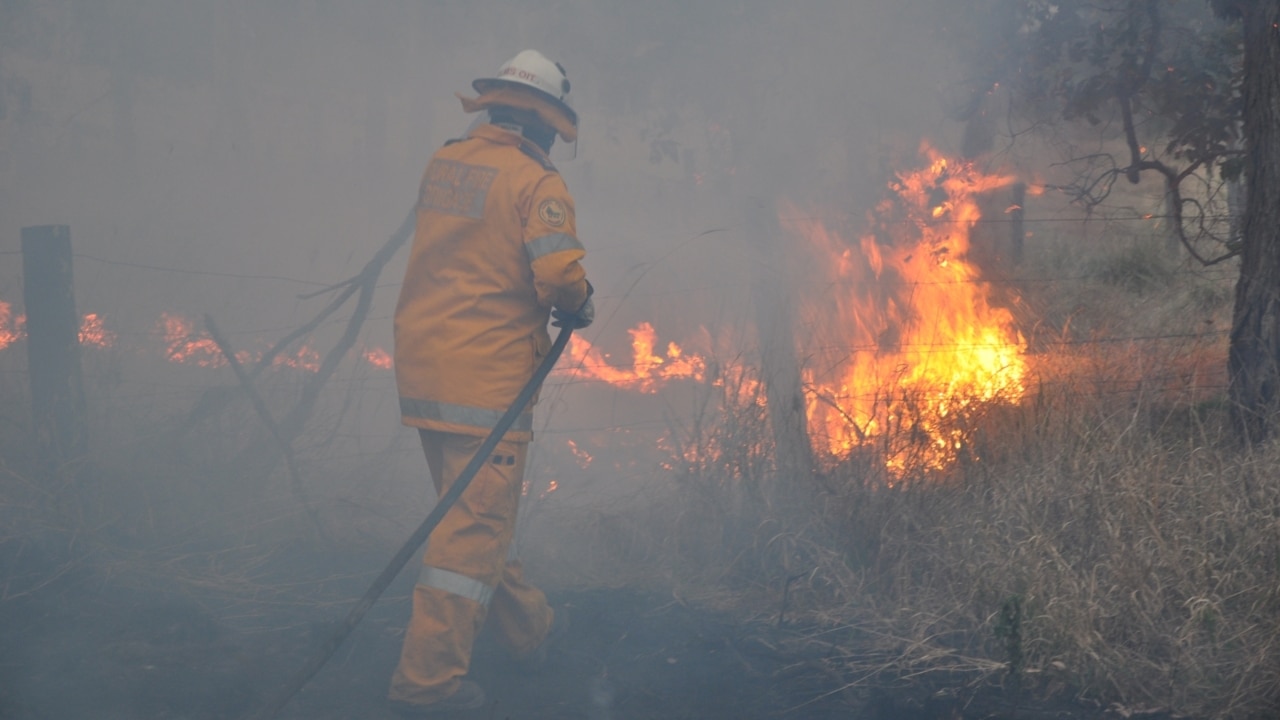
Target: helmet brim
(484, 85)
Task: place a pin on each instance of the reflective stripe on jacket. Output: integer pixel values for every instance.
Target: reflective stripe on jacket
(494, 250)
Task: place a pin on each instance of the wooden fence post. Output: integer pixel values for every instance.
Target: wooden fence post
(53, 344)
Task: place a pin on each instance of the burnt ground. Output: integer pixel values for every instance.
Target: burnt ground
(85, 647)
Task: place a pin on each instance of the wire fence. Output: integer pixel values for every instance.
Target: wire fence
(594, 373)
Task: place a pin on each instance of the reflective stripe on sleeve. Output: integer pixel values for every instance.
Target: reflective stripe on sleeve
(483, 418)
(548, 244)
(455, 584)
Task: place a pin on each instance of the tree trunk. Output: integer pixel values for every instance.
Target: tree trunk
(1254, 356)
(779, 369)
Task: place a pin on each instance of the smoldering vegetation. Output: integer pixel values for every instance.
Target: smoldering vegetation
(1094, 544)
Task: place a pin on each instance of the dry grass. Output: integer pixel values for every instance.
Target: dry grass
(1140, 569)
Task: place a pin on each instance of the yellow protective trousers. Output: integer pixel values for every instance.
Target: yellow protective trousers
(466, 573)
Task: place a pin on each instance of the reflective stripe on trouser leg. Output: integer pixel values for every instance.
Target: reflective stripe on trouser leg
(471, 542)
(452, 582)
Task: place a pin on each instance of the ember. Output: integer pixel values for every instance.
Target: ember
(583, 457)
(304, 358)
(378, 358)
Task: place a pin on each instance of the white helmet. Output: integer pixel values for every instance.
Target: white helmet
(533, 69)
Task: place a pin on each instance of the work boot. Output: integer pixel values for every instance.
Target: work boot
(468, 696)
(534, 661)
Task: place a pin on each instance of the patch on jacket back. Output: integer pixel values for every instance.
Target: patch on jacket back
(456, 188)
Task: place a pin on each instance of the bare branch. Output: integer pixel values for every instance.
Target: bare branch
(1131, 137)
(299, 490)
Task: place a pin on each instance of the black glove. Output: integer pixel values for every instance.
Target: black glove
(583, 318)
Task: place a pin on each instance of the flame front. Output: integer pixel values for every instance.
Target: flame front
(92, 332)
(914, 340)
(184, 345)
(187, 346)
(303, 359)
(903, 339)
(648, 369)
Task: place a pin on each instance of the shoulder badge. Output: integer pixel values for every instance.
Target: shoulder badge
(552, 212)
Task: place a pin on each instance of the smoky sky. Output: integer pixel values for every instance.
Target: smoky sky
(229, 158)
(288, 137)
(226, 158)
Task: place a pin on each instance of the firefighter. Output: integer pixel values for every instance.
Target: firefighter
(495, 252)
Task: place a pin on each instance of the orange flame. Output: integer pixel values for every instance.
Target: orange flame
(378, 358)
(921, 341)
(303, 359)
(10, 327)
(648, 369)
(184, 345)
(583, 457)
(94, 334)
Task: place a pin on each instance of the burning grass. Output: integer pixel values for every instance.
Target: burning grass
(905, 336)
(1097, 537)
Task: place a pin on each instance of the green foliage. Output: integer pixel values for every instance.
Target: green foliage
(1159, 80)
(1139, 267)
(1173, 62)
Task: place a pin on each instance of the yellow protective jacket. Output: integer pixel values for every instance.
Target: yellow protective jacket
(494, 250)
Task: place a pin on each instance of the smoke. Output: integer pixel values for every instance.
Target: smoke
(227, 158)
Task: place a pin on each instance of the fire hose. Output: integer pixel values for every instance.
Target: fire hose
(419, 536)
